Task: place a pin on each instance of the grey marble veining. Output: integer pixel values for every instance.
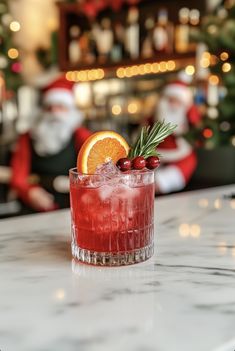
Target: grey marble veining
(182, 299)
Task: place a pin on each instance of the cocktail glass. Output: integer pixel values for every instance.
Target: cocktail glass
(112, 217)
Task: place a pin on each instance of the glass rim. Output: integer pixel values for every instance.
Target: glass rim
(73, 171)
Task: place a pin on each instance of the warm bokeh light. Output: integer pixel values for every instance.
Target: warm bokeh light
(206, 55)
(222, 247)
(155, 67)
(59, 294)
(141, 69)
(132, 108)
(204, 62)
(85, 75)
(13, 53)
(14, 26)
(224, 56)
(217, 204)
(195, 230)
(203, 203)
(162, 66)
(226, 67)
(100, 73)
(120, 72)
(170, 65)
(116, 110)
(134, 70)
(214, 80)
(184, 230)
(147, 68)
(190, 70)
(232, 204)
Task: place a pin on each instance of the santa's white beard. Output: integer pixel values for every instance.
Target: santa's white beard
(173, 114)
(54, 130)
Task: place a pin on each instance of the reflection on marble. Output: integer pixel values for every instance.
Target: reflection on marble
(181, 299)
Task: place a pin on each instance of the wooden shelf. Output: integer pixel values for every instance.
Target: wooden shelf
(71, 13)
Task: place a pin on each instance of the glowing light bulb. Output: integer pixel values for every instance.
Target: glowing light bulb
(14, 26)
(190, 70)
(226, 67)
(116, 110)
(13, 53)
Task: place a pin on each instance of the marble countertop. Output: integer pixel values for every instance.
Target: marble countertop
(182, 299)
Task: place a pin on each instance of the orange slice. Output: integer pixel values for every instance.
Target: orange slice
(100, 148)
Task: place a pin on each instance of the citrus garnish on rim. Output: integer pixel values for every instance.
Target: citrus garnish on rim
(100, 148)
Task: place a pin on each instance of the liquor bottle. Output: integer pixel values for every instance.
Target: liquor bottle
(147, 45)
(194, 19)
(132, 35)
(163, 33)
(74, 50)
(118, 49)
(84, 46)
(104, 39)
(182, 31)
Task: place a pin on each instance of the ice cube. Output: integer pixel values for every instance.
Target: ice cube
(105, 192)
(108, 169)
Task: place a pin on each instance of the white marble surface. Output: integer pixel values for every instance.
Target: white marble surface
(182, 299)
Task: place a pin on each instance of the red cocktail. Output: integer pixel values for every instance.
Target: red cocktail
(112, 217)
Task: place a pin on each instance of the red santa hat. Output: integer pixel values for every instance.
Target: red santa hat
(181, 91)
(60, 91)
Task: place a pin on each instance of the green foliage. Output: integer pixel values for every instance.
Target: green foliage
(13, 80)
(217, 31)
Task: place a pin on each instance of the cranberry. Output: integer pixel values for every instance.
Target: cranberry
(138, 162)
(152, 162)
(124, 164)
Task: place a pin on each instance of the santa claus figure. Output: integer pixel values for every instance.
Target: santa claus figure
(49, 150)
(178, 157)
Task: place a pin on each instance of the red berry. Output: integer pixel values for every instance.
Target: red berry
(152, 162)
(138, 162)
(124, 164)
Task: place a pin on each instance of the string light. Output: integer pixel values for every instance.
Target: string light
(14, 26)
(190, 70)
(162, 66)
(170, 65)
(147, 68)
(116, 110)
(132, 108)
(226, 67)
(85, 75)
(120, 72)
(204, 62)
(214, 80)
(224, 56)
(13, 53)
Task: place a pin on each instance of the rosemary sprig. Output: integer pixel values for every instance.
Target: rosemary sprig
(150, 138)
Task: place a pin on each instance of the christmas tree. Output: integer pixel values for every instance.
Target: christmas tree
(10, 66)
(218, 33)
